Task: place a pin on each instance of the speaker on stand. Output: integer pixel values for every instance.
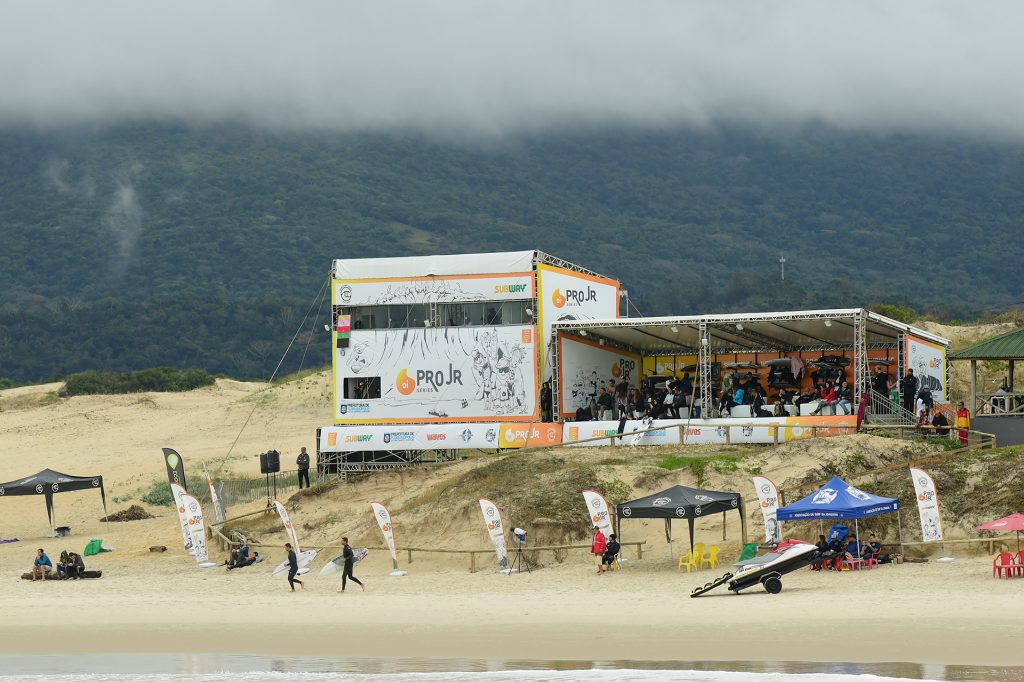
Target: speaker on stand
(270, 463)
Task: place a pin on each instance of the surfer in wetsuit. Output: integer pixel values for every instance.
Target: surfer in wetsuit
(293, 567)
(346, 573)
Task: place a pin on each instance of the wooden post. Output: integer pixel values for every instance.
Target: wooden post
(974, 389)
(472, 562)
(728, 435)
(409, 552)
(723, 526)
(814, 432)
(775, 434)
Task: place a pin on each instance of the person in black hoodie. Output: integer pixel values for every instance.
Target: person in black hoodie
(303, 463)
(293, 567)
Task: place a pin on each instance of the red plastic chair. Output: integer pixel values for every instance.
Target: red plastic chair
(1019, 558)
(1003, 565)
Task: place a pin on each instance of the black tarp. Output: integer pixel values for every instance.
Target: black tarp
(49, 483)
(680, 502)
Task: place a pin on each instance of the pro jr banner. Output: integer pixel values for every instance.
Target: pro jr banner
(193, 514)
(768, 496)
(928, 360)
(293, 537)
(597, 506)
(492, 518)
(584, 368)
(383, 517)
(927, 505)
(437, 374)
(564, 295)
(179, 506)
(175, 468)
(217, 508)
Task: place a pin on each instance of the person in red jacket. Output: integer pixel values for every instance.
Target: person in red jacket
(828, 400)
(599, 546)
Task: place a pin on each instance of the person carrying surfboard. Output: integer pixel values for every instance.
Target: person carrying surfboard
(346, 573)
(293, 567)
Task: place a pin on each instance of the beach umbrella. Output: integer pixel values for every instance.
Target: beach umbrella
(1011, 522)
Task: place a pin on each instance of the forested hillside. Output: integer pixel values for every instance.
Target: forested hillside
(148, 245)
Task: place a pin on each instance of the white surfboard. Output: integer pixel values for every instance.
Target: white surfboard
(304, 558)
(336, 564)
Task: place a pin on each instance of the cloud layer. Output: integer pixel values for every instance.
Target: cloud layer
(516, 65)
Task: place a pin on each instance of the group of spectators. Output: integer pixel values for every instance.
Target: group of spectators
(618, 401)
(70, 566)
(849, 550)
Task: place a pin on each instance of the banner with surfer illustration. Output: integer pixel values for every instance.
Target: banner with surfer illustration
(179, 506)
(927, 505)
(293, 537)
(437, 374)
(928, 360)
(214, 497)
(495, 529)
(564, 295)
(768, 496)
(383, 517)
(584, 368)
(597, 507)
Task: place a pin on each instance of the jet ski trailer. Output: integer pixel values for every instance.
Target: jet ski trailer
(766, 570)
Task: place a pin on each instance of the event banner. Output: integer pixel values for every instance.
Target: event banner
(927, 505)
(566, 296)
(768, 496)
(492, 518)
(584, 367)
(597, 507)
(437, 374)
(448, 289)
(474, 435)
(217, 508)
(706, 431)
(928, 360)
(179, 505)
(293, 537)
(193, 512)
(383, 517)
(175, 468)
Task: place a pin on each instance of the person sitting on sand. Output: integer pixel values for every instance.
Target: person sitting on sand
(611, 550)
(41, 565)
(62, 564)
(75, 567)
(246, 562)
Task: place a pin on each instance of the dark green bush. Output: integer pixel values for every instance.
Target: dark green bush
(157, 379)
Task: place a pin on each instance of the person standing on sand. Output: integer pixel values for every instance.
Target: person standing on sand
(598, 547)
(346, 573)
(293, 567)
(303, 463)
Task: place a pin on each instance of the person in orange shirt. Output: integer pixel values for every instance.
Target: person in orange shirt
(963, 422)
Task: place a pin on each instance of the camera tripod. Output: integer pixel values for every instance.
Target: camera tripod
(519, 560)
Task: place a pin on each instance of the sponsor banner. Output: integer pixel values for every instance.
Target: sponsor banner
(927, 505)
(585, 367)
(470, 435)
(293, 537)
(192, 513)
(175, 468)
(383, 517)
(928, 360)
(768, 496)
(708, 431)
(440, 374)
(217, 508)
(597, 507)
(179, 505)
(495, 529)
(564, 295)
(451, 289)
(520, 435)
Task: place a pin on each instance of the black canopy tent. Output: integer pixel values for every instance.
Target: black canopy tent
(680, 502)
(48, 483)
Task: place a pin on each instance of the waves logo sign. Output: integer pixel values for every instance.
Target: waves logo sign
(573, 297)
(427, 380)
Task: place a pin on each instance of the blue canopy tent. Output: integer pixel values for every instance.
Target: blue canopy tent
(837, 499)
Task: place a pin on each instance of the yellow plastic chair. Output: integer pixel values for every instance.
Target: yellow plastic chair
(698, 552)
(711, 558)
(688, 560)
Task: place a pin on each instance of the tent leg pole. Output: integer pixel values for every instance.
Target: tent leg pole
(899, 526)
(723, 526)
(743, 523)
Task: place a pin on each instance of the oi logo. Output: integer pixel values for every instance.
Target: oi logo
(405, 383)
(558, 299)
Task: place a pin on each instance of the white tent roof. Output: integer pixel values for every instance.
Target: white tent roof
(749, 332)
(430, 266)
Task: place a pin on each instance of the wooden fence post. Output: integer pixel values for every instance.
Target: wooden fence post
(409, 551)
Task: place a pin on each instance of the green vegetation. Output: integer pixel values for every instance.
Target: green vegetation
(236, 228)
(721, 464)
(157, 379)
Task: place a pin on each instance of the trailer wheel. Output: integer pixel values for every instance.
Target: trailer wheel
(772, 584)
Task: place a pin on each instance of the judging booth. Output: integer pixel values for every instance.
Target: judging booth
(682, 503)
(48, 483)
(838, 500)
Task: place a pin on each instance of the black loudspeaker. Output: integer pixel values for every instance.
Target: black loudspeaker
(270, 462)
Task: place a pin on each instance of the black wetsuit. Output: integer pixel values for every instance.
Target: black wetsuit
(293, 569)
(347, 570)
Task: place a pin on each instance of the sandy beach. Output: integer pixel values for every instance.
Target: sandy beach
(161, 602)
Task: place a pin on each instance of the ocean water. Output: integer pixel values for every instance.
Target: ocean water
(239, 668)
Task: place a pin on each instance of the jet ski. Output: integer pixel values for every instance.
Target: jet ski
(766, 570)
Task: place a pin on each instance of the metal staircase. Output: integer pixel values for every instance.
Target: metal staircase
(882, 411)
